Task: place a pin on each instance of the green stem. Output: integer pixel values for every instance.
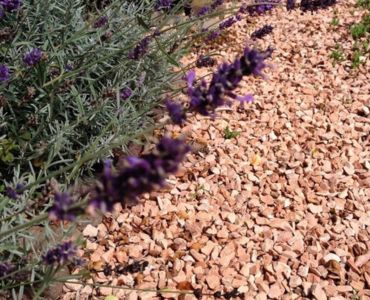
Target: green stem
(12, 215)
(35, 221)
(48, 278)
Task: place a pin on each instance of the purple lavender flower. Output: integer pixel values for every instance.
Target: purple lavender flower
(11, 193)
(253, 61)
(125, 93)
(62, 208)
(4, 73)
(213, 35)
(14, 192)
(105, 195)
(11, 5)
(68, 68)
(187, 9)
(207, 9)
(257, 8)
(243, 9)
(228, 23)
(101, 22)
(32, 57)
(312, 5)
(62, 254)
(203, 11)
(175, 111)
(6, 268)
(140, 49)
(290, 4)
(205, 61)
(261, 32)
(206, 98)
(216, 3)
(245, 99)
(138, 175)
(163, 5)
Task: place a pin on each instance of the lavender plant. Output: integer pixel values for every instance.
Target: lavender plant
(62, 73)
(76, 82)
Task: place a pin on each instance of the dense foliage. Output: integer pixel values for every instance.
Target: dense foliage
(78, 81)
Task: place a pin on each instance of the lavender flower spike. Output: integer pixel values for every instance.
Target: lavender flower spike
(13, 193)
(290, 4)
(163, 5)
(217, 3)
(261, 32)
(175, 111)
(140, 49)
(203, 11)
(10, 5)
(6, 268)
(4, 73)
(245, 99)
(205, 61)
(138, 175)
(62, 254)
(228, 22)
(62, 209)
(206, 98)
(125, 93)
(260, 6)
(32, 57)
(213, 35)
(101, 22)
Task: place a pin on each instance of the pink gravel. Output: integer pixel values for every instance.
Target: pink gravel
(282, 211)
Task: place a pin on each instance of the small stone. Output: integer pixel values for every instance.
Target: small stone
(90, 231)
(330, 290)
(358, 285)
(349, 169)
(213, 281)
(315, 209)
(207, 249)
(365, 111)
(303, 271)
(135, 251)
(105, 291)
(331, 256)
(295, 281)
(261, 296)
(231, 217)
(223, 233)
(318, 292)
(275, 291)
(132, 296)
(362, 259)
(197, 256)
(306, 287)
(87, 290)
(73, 286)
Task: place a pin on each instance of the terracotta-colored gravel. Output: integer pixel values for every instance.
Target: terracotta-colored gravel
(282, 211)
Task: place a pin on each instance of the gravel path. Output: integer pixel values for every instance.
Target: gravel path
(281, 211)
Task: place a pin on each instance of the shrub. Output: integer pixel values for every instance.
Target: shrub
(66, 100)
